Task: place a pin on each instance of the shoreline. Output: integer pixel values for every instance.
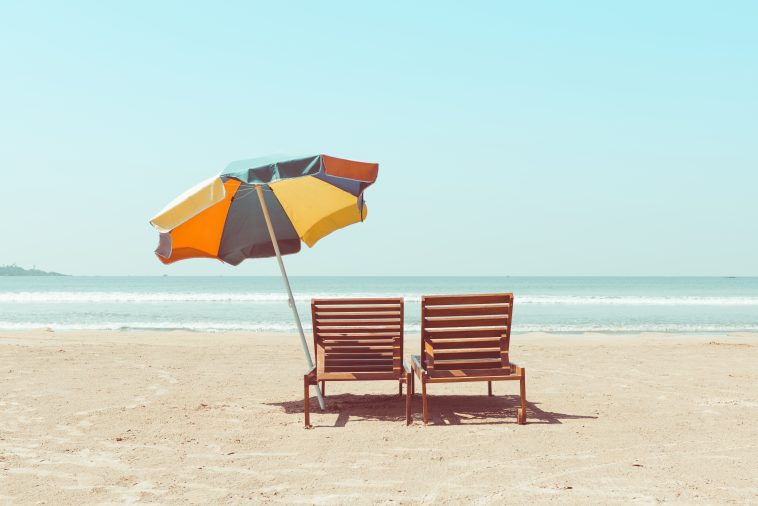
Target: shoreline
(415, 334)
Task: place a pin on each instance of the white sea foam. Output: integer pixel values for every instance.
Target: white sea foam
(210, 326)
(44, 297)
(122, 325)
(148, 297)
(635, 300)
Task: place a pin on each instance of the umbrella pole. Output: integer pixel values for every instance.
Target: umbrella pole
(259, 190)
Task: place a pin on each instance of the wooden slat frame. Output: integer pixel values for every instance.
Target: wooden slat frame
(358, 339)
(466, 338)
(465, 333)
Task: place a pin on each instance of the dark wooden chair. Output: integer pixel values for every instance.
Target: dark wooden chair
(466, 338)
(356, 340)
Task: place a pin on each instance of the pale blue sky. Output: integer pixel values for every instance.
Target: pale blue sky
(561, 138)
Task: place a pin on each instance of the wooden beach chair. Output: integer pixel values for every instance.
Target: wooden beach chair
(357, 340)
(465, 338)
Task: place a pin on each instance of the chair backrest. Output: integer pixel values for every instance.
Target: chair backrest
(466, 332)
(358, 338)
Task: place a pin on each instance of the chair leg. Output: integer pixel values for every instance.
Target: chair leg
(489, 388)
(400, 388)
(425, 406)
(408, 381)
(307, 404)
(323, 389)
(522, 410)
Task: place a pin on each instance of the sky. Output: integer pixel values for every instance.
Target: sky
(514, 138)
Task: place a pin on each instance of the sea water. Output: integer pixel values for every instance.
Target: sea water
(552, 304)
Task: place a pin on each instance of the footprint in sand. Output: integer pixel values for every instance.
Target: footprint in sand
(157, 390)
(165, 375)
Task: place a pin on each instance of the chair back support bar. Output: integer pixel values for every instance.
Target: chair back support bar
(466, 334)
(358, 339)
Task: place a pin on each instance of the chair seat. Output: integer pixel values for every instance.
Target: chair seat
(360, 375)
(458, 375)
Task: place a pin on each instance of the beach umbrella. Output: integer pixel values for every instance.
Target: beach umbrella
(265, 207)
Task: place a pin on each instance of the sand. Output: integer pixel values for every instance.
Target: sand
(173, 417)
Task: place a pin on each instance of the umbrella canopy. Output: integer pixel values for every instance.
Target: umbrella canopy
(307, 198)
(264, 207)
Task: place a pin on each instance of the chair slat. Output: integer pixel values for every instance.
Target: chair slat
(468, 310)
(357, 368)
(357, 322)
(358, 356)
(464, 333)
(485, 363)
(342, 333)
(389, 308)
(466, 321)
(348, 346)
(358, 361)
(367, 329)
(358, 376)
(446, 300)
(493, 353)
(456, 375)
(352, 315)
(356, 302)
(453, 343)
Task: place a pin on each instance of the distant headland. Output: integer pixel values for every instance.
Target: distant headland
(15, 270)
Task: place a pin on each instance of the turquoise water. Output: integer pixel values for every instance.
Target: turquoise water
(554, 304)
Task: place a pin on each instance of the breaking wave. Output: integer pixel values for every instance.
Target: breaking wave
(253, 297)
(210, 326)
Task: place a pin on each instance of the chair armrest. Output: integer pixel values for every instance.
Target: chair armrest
(406, 367)
(417, 367)
(311, 373)
(515, 368)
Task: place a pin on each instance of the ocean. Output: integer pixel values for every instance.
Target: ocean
(551, 304)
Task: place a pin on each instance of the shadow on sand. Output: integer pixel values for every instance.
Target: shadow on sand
(443, 409)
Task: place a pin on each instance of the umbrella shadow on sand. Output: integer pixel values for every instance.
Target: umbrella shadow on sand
(443, 409)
